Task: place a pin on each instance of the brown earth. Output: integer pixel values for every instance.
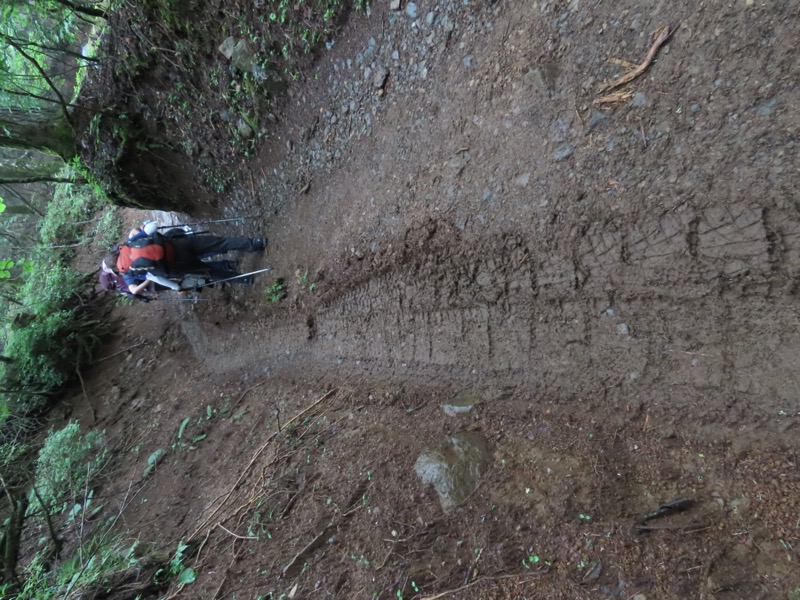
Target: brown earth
(615, 283)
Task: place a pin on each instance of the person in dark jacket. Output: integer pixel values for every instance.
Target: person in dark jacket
(150, 256)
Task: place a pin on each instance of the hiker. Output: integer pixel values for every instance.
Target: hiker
(111, 281)
(150, 256)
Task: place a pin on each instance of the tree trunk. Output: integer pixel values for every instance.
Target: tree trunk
(37, 129)
(9, 552)
(87, 10)
(29, 170)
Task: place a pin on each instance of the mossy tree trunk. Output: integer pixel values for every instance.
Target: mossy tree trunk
(9, 542)
(37, 129)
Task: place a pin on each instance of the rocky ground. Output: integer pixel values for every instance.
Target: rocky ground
(535, 345)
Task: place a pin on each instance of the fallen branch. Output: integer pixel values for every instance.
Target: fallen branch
(662, 35)
(250, 464)
(691, 527)
(472, 566)
(244, 393)
(302, 412)
(99, 360)
(311, 546)
(224, 575)
(86, 396)
(237, 536)
(478, 580)
(621, 96)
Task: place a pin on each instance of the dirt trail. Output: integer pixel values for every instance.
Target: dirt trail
(499, 228)
(616, 284)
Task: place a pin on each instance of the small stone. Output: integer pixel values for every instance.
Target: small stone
(768, 108)
(243, 57)
(639, 100)
(563, 153)
(623, 329)
(381, 75)
(395, 55)
(226, 47)
(457, 164)
(411, 10)
(430, 18)
(595, 120)
(467, 61)
(394, 5)
(244, 130)
(522, 180)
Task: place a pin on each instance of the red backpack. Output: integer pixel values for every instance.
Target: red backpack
(145, 247)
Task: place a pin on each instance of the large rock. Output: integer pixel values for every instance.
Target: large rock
(226, 47)
(243, 57)
(454, 468)
(462, 403)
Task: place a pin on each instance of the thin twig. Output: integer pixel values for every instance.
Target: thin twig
(472, 566)
(237, 536)
(662, 35)
(252, 462)
(202, 545)
(244, 393)
(620, 96)
(86, 396)
(692, 527)
(470, 584)
(99, 360)
(225, 575)
(306, 549)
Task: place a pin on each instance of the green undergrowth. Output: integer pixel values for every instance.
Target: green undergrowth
(275, 41)
(46, 300)
(77, 547)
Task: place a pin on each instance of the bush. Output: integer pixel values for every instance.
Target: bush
(67, 463)
(90, 573)
(56, 333)
(68, 212)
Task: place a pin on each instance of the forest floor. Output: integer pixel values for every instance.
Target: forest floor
(565, 312)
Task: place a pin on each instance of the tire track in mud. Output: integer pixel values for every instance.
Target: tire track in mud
(696, 306)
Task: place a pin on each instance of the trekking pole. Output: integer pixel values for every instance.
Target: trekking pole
(210, 222)
(232, 278)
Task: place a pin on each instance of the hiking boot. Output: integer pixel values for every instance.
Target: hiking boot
(260, 244)
(246, 280)
(192, 283)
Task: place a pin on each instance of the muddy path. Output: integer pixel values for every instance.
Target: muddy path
(615, 284)
(493, 225)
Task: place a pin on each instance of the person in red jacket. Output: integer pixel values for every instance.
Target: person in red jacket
(149, 256)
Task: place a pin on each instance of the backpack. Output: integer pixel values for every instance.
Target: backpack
(144, 253)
